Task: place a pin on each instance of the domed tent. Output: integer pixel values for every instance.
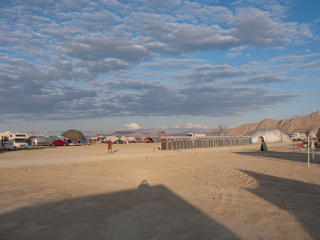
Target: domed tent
(269, 135)
(74, 135)
(315, 133)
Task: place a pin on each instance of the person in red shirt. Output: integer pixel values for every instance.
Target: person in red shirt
(110, 146)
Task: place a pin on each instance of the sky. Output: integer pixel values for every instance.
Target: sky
(172, 65)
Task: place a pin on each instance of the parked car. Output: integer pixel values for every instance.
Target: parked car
(59, 143)
(119, 142)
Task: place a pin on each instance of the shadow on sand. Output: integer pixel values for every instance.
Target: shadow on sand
(148, 212)
(299, 198)
(290, 156)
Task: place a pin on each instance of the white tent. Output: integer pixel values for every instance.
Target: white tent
(269, 135)
(315, 133)
(123, 138)
(112, 138)
(131, 139)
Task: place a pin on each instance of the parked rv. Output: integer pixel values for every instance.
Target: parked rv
(6, 144)
(18, 139)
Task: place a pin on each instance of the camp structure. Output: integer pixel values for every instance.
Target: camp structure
(98, 139)
(111, 138)
(315, 133)
(269, 135)
(75, 136)
(123, 138)
(132, 139)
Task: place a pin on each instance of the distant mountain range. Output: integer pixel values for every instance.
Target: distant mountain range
(136, 133)
(123, 133)
(290, 125)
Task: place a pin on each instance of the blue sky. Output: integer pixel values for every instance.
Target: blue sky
(107, 65)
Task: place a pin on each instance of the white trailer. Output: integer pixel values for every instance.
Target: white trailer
(43, 140)
(18, 139)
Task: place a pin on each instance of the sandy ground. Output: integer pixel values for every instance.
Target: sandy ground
(81, 192)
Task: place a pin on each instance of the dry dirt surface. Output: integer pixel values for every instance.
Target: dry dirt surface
(82, 192)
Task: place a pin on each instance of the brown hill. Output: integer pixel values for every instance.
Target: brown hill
(290, 125)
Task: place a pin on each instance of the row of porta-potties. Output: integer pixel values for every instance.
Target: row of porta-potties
(174, 143)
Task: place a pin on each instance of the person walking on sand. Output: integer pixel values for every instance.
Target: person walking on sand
(110, 146)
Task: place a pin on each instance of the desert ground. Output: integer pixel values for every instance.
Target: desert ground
(82, 192)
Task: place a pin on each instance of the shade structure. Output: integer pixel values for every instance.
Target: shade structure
(74, 134)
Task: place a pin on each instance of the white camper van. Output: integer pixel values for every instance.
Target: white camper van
(18, 139)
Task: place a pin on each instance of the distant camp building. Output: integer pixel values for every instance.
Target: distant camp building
(75, 136)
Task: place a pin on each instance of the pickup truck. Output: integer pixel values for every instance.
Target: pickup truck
(59, 143)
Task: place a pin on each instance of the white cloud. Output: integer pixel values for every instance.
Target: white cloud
(256, 27)
(85, 61)
(315, 65)
(131, 126)
(233, 54)
(211, 73)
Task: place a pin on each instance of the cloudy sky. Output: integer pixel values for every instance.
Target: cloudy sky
(107, 65)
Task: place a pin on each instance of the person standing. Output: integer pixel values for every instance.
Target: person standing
(263, 145)
(110, 146)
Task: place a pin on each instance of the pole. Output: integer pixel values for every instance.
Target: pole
(167, 143)
(194, 142)
(292, 144)
(312, 148)
(308, 153)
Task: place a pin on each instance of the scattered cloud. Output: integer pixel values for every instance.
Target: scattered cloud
(211, 73)
(310, 65)
(131, 126)
(295, 58)
(189, 126)
(88, 59)
(266, 79)
(235, 52)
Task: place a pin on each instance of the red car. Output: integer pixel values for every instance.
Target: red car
(59, 143)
